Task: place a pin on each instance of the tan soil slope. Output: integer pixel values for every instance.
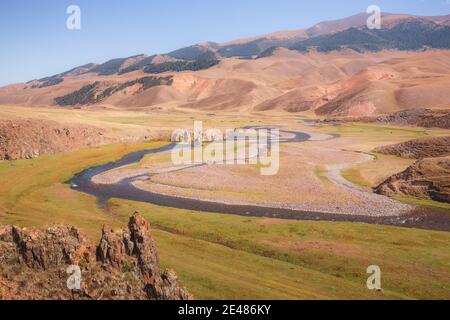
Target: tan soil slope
(419, 148)
(343, 83)
(399, 83)
(428, 178)
(124, 266)
(426, 118)
(25, 139)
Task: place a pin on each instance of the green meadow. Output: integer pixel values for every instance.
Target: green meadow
(221, 256)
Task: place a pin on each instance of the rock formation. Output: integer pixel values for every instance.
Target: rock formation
(26, 139)
(428, 178)
(124, 266)
(419, 148)
(427, 118)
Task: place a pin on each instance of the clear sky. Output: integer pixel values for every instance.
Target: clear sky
(34, 40)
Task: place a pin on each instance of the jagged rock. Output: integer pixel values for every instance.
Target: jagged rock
(6, 234)
(125, 265)
(145, 251)
(168, 287)
(114, 247)
(55, 247)
(164, 285)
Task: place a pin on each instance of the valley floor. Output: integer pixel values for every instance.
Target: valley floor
(220, 256)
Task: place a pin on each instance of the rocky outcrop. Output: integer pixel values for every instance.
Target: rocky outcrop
(421, 117)
(125, 265)
(419, 148)
(428, 178)
(26, 139)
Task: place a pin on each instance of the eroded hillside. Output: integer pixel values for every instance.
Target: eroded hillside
(335, 68)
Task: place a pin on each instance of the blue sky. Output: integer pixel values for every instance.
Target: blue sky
(36, 43)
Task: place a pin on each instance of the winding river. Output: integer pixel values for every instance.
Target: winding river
(124, 189)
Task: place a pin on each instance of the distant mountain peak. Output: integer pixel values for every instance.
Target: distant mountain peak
(399, 31)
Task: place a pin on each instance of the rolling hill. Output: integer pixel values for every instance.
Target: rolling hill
(335, 68)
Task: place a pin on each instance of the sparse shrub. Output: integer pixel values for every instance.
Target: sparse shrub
(92, 93)
(205, 61)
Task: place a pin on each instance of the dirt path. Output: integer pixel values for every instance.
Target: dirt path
(378, 204)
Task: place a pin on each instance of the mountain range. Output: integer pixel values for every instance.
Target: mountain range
(334, 68)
